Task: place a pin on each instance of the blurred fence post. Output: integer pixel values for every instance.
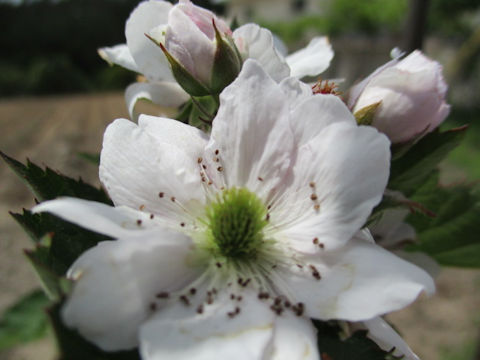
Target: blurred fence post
(415, 25)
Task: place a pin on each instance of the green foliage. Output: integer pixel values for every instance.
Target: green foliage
(344, 16)
(451, 237)
(24, 321)
(466, 157)
(90, 157)
(357, 346)
(48, 184)
(73, 347)
(411, 170)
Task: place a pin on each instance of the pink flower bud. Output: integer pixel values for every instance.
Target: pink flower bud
(411, 93)
(190, 38)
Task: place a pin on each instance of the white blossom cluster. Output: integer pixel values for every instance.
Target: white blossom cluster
(225, 245)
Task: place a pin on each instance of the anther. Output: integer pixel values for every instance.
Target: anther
(200, 309)
(315, 241)
(199, 160)
(217, 152)
(185, 300)
(220, 169)
(218, 265)
(182, 224)
(153, 306)
(314, 197)
(193, 291)
(139, 222)
(141, 207)
(204, 167)
(260, 178)
(312, 184)
(278, 309)
(316, 207)
(152, 216)
(232, 296)
(161, 194)
(315, 272)
(239, 298)
(321, 245)
(263, 295)
(298, 309)
(163, 295)
(172, 198)
(267, 217)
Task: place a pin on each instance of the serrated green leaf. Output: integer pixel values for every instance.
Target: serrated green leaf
(355, 347)
(451, 237)
(25, 321)
(411, 170)
(72, 346)
(68, 241)
(48, 184)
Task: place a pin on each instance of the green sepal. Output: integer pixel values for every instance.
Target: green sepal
(203, 112)
(186, 80)
(227, 62)
(24, 321)
(365, 115)
(411, 170)
(48, 184)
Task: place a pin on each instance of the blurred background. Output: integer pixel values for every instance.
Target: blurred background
(57, 96)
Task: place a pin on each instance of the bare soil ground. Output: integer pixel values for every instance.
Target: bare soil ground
(53, 130)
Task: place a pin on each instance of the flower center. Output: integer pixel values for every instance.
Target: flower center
(235, 224)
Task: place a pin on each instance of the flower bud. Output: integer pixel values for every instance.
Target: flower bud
(410, 94)
(198, 47)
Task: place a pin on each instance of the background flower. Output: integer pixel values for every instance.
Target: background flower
(411, 96)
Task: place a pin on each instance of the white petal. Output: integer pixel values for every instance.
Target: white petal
(280, 45)
(120, 55)
(180, 333)
(257, 43)
(356, 90)
(346, 167)
(116, 283)
(165, 93)
(391, 231)
(252, 132)
(295, 89)
(104, 219)
(148, 56)
(315, 112)
(422, 260)
(311, 60)
(145, 165)
(295, 338)
(358, 281)
(387, 338)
